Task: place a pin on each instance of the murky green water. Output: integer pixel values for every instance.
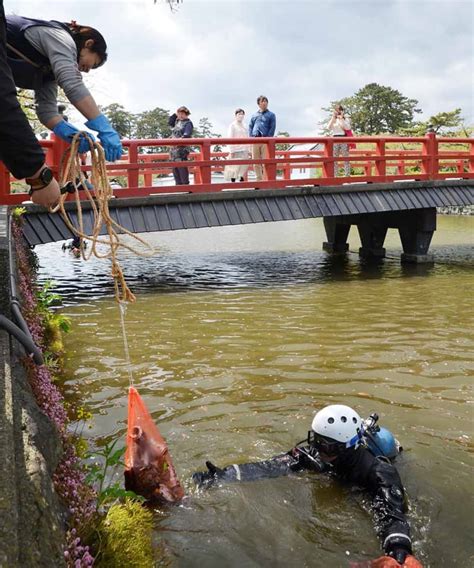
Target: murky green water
(239, 335)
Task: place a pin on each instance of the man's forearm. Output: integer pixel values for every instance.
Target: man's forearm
(86, 106)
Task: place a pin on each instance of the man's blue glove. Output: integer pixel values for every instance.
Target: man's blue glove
(108, 137)
(67, 131)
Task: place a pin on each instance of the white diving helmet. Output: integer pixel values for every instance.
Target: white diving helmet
(335, 428)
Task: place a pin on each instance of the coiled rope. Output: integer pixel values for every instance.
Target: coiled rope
(72, 175)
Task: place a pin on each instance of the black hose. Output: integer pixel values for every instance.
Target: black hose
(21, 331)
(23, 338)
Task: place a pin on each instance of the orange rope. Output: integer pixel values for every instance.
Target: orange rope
(99, 201)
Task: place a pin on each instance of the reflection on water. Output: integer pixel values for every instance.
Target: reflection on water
(238, 335)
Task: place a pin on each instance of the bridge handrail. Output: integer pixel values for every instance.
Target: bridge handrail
(374, 159)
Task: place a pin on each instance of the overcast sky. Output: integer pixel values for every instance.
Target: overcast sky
(214, 56)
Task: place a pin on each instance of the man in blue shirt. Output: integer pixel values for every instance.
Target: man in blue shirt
(262, 124)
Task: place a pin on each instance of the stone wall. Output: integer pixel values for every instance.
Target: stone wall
(456, 210)
(31, 530)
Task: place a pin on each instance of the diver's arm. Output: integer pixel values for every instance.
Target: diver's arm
(297, 459)
(381, 478)
(389, 507)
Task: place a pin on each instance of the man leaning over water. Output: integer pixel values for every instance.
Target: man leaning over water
(19, 148)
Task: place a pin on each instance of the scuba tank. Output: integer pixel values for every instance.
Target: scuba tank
(379, 440)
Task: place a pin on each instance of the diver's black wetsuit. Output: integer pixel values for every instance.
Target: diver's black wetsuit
(360, 467)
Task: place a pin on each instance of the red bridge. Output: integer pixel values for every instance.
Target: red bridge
(394, 182)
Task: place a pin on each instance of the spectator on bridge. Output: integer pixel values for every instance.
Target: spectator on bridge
(44, 54)
(262, 124)
(343, 446)
(19, 147)
(237, 129)
(181, 127)
(338, 124)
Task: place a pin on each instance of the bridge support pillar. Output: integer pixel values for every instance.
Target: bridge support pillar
(416, 233)
(337, 232)
(372, 238)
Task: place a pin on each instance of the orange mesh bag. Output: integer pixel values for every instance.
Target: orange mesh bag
(149, 470)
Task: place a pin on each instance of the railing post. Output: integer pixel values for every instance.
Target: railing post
(54, 158)
(430, 164)
(133, 166)
(471, 157)
(286, 166)
(271, 168)
(328, 167)
(368, 168)
(206, 156)
(380, 163)
(4, 183)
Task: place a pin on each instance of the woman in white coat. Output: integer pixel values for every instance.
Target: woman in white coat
(338, 125)
(237, 151)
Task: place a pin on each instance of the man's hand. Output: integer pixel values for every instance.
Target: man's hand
(108, 137)
(206, 478)
(399, 554)
(48, 196)
(67, 132)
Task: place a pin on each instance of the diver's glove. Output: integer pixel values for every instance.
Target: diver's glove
(108, 137)
(67, 131)
(398, 546)
(206, 478)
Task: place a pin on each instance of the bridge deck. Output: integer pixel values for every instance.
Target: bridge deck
(192, 211)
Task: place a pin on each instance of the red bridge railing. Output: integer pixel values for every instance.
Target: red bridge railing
(145, 167)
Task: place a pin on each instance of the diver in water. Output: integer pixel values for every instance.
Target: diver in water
(75, 246)
(344, 446)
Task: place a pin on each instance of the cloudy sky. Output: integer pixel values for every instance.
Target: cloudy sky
(214, 56)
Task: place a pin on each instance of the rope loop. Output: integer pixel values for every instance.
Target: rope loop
(105, 230)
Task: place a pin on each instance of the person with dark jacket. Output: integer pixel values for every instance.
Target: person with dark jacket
(46, 54)
(337, 446)
(19, 147)
(181, 127)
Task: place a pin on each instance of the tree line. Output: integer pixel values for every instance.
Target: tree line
(374, 110)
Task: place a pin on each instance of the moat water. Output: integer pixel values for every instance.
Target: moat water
(238, 336)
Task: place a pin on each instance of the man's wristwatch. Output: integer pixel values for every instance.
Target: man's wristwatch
(44, 179)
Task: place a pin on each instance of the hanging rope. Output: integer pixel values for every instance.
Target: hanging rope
(71, 174)
(123, 310)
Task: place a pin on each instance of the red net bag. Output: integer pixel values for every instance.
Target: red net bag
(149, 470)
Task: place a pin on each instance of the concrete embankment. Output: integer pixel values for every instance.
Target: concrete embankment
(31, 527)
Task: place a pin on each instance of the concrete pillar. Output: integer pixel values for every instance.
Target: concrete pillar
(416, 233)
(337, 233)
(372, 238)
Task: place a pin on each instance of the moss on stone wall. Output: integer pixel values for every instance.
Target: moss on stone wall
(126, 537)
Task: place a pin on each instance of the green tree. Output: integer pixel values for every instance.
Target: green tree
(26, 99)
(153, 124)
(204, 130)
(448, 123)
(376, 109)
(284, 145)
(122, 120)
